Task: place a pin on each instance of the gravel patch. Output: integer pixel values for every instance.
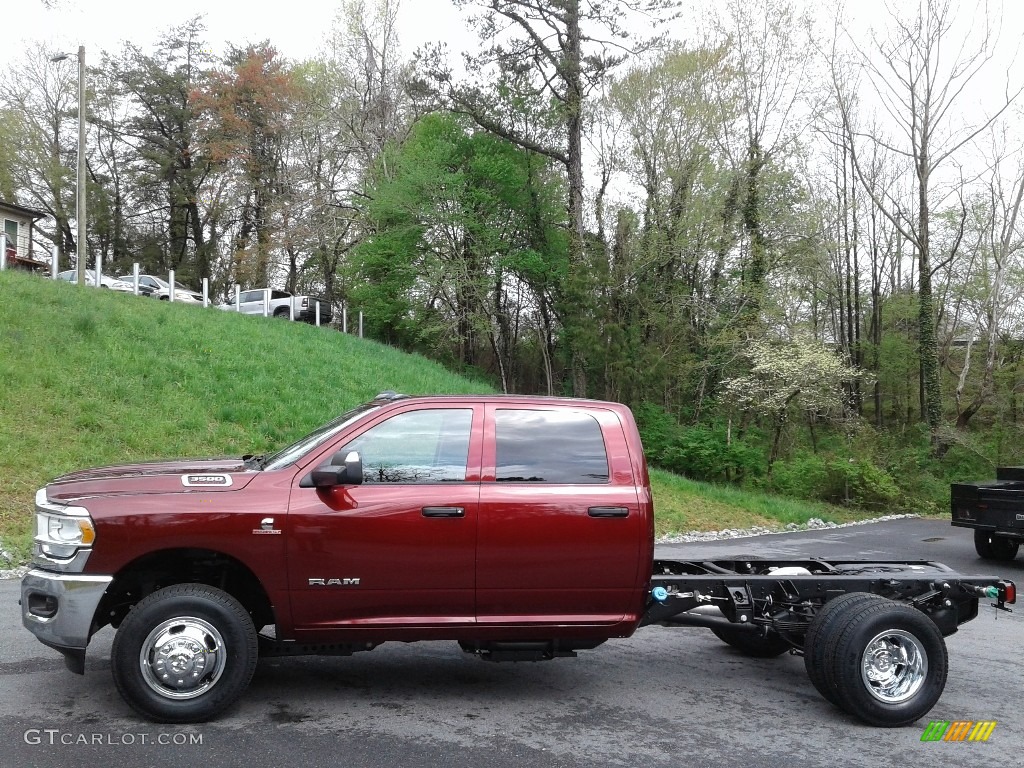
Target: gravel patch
(814, 524)
(8, 568)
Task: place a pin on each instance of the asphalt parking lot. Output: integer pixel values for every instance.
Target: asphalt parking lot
(665, 697)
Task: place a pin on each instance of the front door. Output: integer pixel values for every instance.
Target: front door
(399, 550)
(252, 302)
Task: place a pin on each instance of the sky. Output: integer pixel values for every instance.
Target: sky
(297, 28)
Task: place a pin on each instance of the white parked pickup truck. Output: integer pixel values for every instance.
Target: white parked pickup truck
(275, 303)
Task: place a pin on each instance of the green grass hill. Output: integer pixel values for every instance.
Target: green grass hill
(91, 377)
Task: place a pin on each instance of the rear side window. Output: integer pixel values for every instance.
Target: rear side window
(549, 447)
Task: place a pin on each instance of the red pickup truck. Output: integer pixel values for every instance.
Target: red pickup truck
(520, 527)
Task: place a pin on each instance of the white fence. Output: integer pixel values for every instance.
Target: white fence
(172, 290)
(266, 300)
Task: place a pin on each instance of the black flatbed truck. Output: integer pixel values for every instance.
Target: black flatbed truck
(994, 509)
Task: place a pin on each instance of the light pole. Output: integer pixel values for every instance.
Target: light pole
(80, 186)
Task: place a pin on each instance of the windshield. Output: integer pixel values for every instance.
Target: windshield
(317, 437)
(163, 284)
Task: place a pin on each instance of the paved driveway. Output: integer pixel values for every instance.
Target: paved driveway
(665, 697)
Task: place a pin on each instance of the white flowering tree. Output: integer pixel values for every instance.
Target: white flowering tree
(799, 375)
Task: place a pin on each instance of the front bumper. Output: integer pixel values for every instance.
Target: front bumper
(59, 608)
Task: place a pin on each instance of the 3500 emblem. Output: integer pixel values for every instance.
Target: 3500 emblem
(206, 481)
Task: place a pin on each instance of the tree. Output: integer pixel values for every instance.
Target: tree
(533, 82)
(366, 47)
(452, 264)
(168, 172)
(998, 249)
(799, 374)
(248, 105)
(765, 110)
(40, 103)
(351, 104)
(920, 72)
(8, 142)
(665, 275)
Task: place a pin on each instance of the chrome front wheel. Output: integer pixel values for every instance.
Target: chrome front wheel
(183, 657)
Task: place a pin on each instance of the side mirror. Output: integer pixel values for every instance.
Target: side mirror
(351, 473)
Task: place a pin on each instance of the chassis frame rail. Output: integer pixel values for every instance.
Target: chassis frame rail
(757, 595)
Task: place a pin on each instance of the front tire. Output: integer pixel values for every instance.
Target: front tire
(184, 654)
(888, 663)
(992, 547)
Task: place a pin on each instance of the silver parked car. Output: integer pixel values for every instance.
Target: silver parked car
(71, 276)
(159, 288)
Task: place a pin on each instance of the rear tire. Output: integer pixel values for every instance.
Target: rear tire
(992, 547)
(184, 654)
(753, 643)
(829, 620)
(888, 662)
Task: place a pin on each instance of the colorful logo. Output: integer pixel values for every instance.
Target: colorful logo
(958, 730)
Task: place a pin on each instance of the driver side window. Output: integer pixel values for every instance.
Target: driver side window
(417, 447)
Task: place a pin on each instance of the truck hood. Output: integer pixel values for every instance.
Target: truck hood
(179, 476)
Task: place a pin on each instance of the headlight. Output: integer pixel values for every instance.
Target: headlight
(64, 534)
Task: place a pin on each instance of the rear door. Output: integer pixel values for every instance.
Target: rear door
(251, 302)
(398, 550)
(560, 533)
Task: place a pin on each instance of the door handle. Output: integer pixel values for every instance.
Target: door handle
(608, 511)
(444, 512)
